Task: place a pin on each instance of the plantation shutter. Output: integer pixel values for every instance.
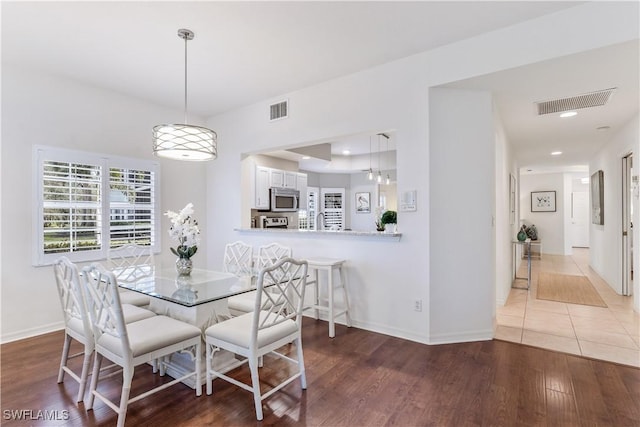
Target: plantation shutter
(71, 207)
(131, 206)
(88, 203)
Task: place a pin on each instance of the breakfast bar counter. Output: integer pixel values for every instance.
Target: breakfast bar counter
(293, 232)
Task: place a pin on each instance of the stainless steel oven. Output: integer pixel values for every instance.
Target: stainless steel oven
(284, 199)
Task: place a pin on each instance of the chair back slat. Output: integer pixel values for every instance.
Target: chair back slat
(131, 262)
(70, 293)
(238, 259)
(281, 289)
(272, 253)
(103, 301)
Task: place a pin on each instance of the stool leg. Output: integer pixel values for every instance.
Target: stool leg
(332, 325)
(316, 300)
(346, 298)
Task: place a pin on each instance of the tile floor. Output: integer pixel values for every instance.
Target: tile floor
(611, 333)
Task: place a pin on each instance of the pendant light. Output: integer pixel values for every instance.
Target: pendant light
(370, 174)
(386, 152)
(379, 178)
(183, 141)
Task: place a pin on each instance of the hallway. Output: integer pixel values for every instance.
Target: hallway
(611, 333)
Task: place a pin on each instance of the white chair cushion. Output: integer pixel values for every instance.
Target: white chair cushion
(76, 325)
(243, 303)
(151, 334)
(237, 330)
(133, 298)
(133, 313)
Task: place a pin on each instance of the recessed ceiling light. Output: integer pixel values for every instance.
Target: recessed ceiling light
(346, 152)
(306, 157)
(556, 153)
(568, 114)
(603, 128)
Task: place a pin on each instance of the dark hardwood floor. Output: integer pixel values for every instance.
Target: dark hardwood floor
(358, 378)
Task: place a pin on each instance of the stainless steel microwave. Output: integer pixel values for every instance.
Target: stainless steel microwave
(284, 199)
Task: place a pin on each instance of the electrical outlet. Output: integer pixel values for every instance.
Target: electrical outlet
(417, 305)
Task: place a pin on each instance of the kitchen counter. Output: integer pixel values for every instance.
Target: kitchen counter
(293, 232)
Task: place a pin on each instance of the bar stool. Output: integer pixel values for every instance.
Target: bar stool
(329, 265)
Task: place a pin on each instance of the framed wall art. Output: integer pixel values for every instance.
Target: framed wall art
(543, 201)
(363, 202)
(597, 198)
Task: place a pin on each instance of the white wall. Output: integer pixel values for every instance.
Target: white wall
(550, 225)
(462, 200)
(505, 232)
(47, 110)
(606, 240)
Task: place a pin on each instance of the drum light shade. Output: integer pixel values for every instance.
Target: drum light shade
(185, 142)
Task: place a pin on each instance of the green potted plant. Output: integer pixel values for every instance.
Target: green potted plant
(389, 219)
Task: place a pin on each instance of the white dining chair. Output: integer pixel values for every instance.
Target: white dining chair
(129, 263)
(77, 322)
(268, 255)
(133, 344)
(238, 259)
(276, 320)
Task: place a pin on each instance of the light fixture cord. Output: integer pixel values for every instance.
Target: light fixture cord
(379, 168)
(185, 79)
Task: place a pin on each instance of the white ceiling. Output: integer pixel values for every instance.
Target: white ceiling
(245, 52)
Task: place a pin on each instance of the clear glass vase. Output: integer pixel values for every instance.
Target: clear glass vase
(184, 266)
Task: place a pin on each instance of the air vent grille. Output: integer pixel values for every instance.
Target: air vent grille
(279, 110)
(587, 100)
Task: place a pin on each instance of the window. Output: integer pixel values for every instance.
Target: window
(88, 203)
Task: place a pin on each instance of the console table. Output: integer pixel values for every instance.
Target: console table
(526, 249)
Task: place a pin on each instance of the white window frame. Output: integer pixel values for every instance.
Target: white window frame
(42, 154)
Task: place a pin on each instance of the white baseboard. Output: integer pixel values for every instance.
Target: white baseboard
(470, 336)
(28, 333)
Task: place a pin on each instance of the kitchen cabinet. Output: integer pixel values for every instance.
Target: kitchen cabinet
(263, 183)
(283, 179)
(290, 179)
(276, 177)
(266, 177)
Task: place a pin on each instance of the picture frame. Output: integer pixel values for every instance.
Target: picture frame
(363, 202)
(543, 201)
(597, 198)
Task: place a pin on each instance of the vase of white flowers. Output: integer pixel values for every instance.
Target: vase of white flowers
(184, 229)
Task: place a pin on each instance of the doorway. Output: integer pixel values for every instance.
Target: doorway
(627, 224)
(580, 219)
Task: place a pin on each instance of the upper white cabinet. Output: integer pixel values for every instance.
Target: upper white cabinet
(263, 183)
(277, 178)
(265, 178)
(283, 179)
(290, 180)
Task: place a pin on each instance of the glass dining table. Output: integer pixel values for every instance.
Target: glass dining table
(200, 287)
(199, 299)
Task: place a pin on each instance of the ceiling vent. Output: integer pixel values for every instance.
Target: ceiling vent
(279, 110)
(587, 100)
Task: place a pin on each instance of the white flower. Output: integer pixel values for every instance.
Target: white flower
(184, 229)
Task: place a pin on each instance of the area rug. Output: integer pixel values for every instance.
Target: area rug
(566, 288)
